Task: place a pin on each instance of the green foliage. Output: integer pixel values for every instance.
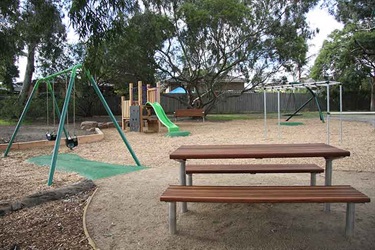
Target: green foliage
(8, 40)
(93, 19)
(195, 43)
(349, 55)
(42, 32)
(129, 56)
(6, 123)
(214, 39)
(9, 108)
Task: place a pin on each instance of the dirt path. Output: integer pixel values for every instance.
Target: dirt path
(126, 212)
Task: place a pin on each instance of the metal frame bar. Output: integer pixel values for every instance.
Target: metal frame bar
(265, 113)
(64, 111)
(109, 112)
(302, 85)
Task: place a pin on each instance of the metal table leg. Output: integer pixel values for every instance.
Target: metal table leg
(190, 179)
(172, 217)
(313, 179)
(328, 181)
(350, 212)
(183, 182)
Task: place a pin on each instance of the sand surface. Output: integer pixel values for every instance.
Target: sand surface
(126, 213)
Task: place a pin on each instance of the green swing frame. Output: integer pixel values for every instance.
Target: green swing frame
(61, 128)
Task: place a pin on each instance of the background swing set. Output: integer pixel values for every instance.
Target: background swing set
(71, 141)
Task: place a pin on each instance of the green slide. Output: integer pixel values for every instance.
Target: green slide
(173, 129)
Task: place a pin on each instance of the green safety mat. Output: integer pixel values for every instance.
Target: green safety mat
(90, 169)
(291, 123)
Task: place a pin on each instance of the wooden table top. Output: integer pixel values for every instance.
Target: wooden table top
(257, 151)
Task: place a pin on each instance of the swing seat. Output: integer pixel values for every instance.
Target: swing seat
(71, 142)
(51, 136)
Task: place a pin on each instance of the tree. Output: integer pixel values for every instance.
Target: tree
(217, 39)
(350, 54)
(207, 40)
(9, 43)
(128, 56)
(42, 31)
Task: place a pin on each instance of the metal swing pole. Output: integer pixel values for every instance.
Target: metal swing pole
(278, 112)
(265, 112)
(61, 123)
(101, 97)
(25, 109)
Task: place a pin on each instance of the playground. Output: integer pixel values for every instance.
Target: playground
(125, 212)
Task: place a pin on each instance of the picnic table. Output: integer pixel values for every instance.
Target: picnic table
(326, 194)
(258, 151)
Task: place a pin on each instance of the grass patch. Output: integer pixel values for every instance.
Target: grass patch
(291, 123)
(7, 123)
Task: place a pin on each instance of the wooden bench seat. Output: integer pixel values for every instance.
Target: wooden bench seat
(189, 113)
(264, 194)
(313, 169)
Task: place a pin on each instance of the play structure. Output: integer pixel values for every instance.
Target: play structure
(145, 114)
(71, 141)
(295, 85)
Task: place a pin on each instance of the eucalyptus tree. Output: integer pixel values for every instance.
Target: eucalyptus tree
(350, 54)
(129, 56)
(8, 41)
(42, 31)
(216, 39)
(205, 41)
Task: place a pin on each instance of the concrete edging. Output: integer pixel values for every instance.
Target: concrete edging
(38, 144)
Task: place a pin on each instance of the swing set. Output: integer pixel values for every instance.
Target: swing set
(70, 141)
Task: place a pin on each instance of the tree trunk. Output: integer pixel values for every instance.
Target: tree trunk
(372, 101)
(30, 68)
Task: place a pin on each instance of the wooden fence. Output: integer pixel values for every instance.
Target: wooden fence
(250, 102)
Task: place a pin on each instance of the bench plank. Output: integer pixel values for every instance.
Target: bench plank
(189, 113)
(252, 168)
(313, 169)
(264, 194)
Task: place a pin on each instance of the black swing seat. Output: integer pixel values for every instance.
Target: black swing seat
(51, 136)
(71, 142)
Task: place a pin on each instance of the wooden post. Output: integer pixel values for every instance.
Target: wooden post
(157, 92)
(140, 103)
(131, 93)
(149, 99)
(122, 112)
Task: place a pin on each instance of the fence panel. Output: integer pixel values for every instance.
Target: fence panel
(248, 102)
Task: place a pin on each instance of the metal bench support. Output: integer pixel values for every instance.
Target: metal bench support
(313, 179)
(172, 217)
(350, 214)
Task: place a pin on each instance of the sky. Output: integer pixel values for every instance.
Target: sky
(326, 23)
(317, 18)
